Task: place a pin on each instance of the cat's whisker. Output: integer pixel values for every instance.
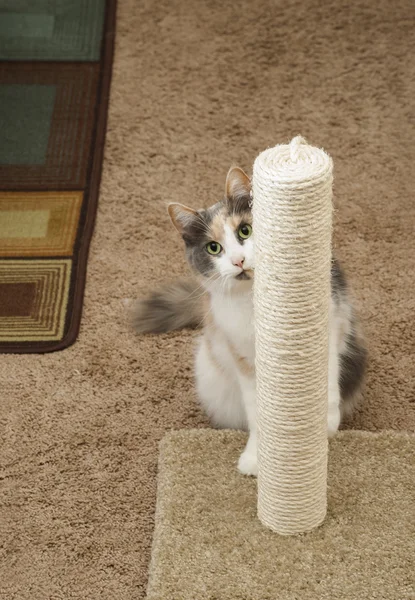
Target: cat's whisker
(204, 283)
(226, 284)
(213, 278)
(203, 321)
(201, 225)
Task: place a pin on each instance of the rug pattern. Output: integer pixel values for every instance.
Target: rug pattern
(55, 60)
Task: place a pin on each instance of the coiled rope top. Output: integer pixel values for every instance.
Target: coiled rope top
(292, 215)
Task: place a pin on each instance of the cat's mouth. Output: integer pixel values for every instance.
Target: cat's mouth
(244, 275)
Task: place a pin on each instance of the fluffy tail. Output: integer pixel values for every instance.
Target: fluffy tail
(174, 306)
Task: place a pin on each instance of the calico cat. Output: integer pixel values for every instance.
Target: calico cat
(219, 248)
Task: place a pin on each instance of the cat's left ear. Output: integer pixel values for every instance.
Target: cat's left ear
(238, 188)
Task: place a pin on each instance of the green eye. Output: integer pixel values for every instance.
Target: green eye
(245, 231)
(213, 248)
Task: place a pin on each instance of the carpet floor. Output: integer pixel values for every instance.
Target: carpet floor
(196, 87)
(209, 544)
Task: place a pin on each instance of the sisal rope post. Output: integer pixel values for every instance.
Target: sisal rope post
(292, 221)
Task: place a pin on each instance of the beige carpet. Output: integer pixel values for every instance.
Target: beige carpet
(198, 86)
(209, 545)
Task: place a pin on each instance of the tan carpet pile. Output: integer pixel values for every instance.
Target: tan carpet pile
(209, 545)
(196, 87)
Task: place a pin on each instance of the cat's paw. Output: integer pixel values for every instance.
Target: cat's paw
(248, 464)
(333, 420)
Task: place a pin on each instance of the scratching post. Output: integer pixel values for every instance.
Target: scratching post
(292, 215)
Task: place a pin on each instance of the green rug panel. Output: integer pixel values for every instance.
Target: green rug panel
(25, 119)
(43, 30)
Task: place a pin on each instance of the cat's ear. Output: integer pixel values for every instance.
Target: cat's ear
(181, 216)
(238, 187)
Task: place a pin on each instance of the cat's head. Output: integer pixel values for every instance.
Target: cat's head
(218, 240)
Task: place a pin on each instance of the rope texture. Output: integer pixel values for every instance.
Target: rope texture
(292, 220)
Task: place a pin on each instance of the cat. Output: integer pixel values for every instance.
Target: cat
(219, 248)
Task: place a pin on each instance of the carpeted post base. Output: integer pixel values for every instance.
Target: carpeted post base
(209, 544)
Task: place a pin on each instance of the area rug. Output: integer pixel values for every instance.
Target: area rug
(209, 544)
(55, 75)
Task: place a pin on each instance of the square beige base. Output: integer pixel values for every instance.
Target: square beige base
(209, 544)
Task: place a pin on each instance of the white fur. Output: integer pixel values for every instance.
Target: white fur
(233, 253)
(225, 392)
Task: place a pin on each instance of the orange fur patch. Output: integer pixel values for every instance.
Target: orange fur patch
(217, 227)
(245, 367)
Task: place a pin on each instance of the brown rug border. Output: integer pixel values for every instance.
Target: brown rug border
(90, 202)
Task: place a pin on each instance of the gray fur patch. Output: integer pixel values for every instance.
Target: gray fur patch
(200, 260)
(338, 280)
(352, 368)
(196, 236)
(353, 361)
(239, 204)
(172, 307)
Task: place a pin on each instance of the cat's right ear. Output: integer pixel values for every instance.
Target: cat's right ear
(181, 216)
(238, 185)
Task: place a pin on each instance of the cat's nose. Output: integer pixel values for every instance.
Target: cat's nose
(239, 262)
